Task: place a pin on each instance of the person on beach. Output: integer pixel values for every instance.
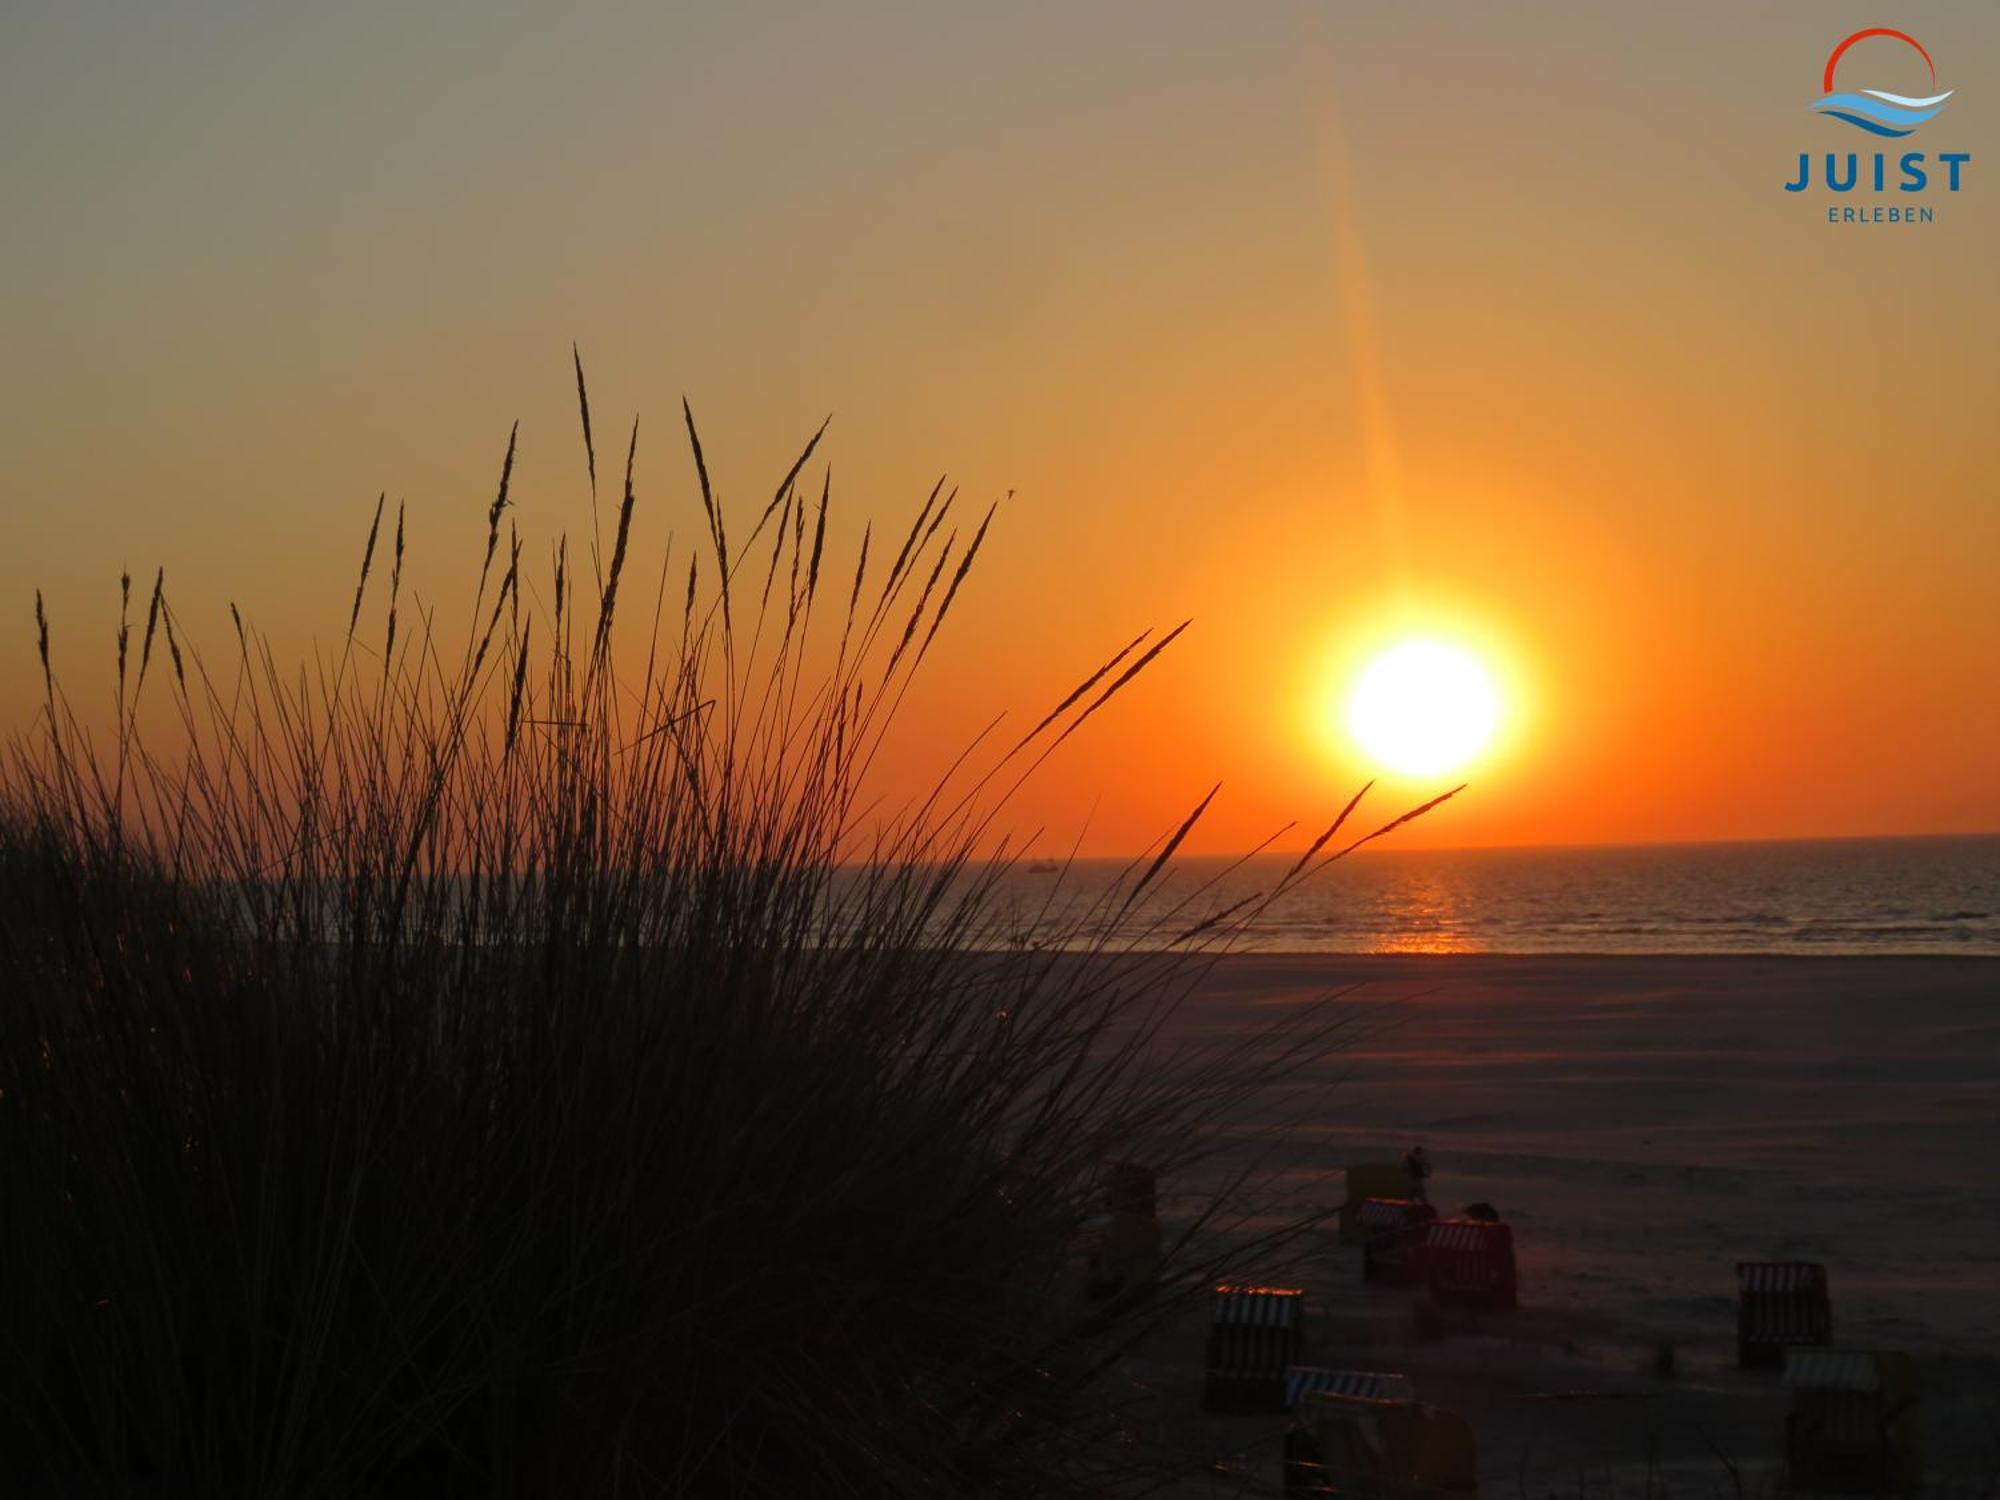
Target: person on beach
(1417, 1167)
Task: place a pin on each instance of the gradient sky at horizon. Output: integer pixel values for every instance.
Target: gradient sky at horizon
(1311, 323)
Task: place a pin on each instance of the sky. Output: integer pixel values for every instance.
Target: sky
(1319, 325)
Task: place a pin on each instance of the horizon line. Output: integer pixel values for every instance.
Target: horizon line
(1388, 848)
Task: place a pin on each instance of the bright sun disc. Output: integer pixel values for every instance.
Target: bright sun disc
(1423, 708)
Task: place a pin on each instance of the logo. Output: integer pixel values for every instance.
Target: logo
(1876, 110)
(1903, 185)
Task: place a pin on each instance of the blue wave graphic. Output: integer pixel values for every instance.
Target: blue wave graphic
(1865, 124)
(1880, 113)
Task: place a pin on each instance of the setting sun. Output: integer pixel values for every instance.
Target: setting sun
(1422, 708)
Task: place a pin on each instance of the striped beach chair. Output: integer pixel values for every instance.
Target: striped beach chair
(1470, 1263)
(1393, 1238)
(1302, 1381)
(1378, 1216)
(1855, 1423)
(1365, 1180)
(1781, 1304)
(1255, 1334)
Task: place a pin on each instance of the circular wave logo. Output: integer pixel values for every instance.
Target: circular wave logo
(1876, 110)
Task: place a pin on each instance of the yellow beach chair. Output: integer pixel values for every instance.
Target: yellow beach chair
(1856, 1424)
(1121, 1255)
(1365, 1180)
(1363, 1449)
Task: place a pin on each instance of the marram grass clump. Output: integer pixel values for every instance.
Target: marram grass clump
(513, 1059)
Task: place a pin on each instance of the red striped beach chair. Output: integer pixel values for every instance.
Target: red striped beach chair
(1470, 1263)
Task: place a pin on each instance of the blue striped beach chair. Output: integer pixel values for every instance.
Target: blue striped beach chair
(1255, 1334)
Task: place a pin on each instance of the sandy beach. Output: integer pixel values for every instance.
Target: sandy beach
(1644, 1123)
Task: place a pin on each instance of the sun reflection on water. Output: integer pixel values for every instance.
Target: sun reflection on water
(1421, 915)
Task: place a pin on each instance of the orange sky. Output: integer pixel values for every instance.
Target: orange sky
(1309, 323)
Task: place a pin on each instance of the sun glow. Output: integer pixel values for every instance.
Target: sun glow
(1423, 708)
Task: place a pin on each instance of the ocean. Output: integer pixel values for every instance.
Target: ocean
(1901, 895)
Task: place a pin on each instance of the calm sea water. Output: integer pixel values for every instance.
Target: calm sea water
(1929, 895)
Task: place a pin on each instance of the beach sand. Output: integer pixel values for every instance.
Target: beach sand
(1643, 1123)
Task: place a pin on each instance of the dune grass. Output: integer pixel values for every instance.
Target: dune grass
(459, 1068)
